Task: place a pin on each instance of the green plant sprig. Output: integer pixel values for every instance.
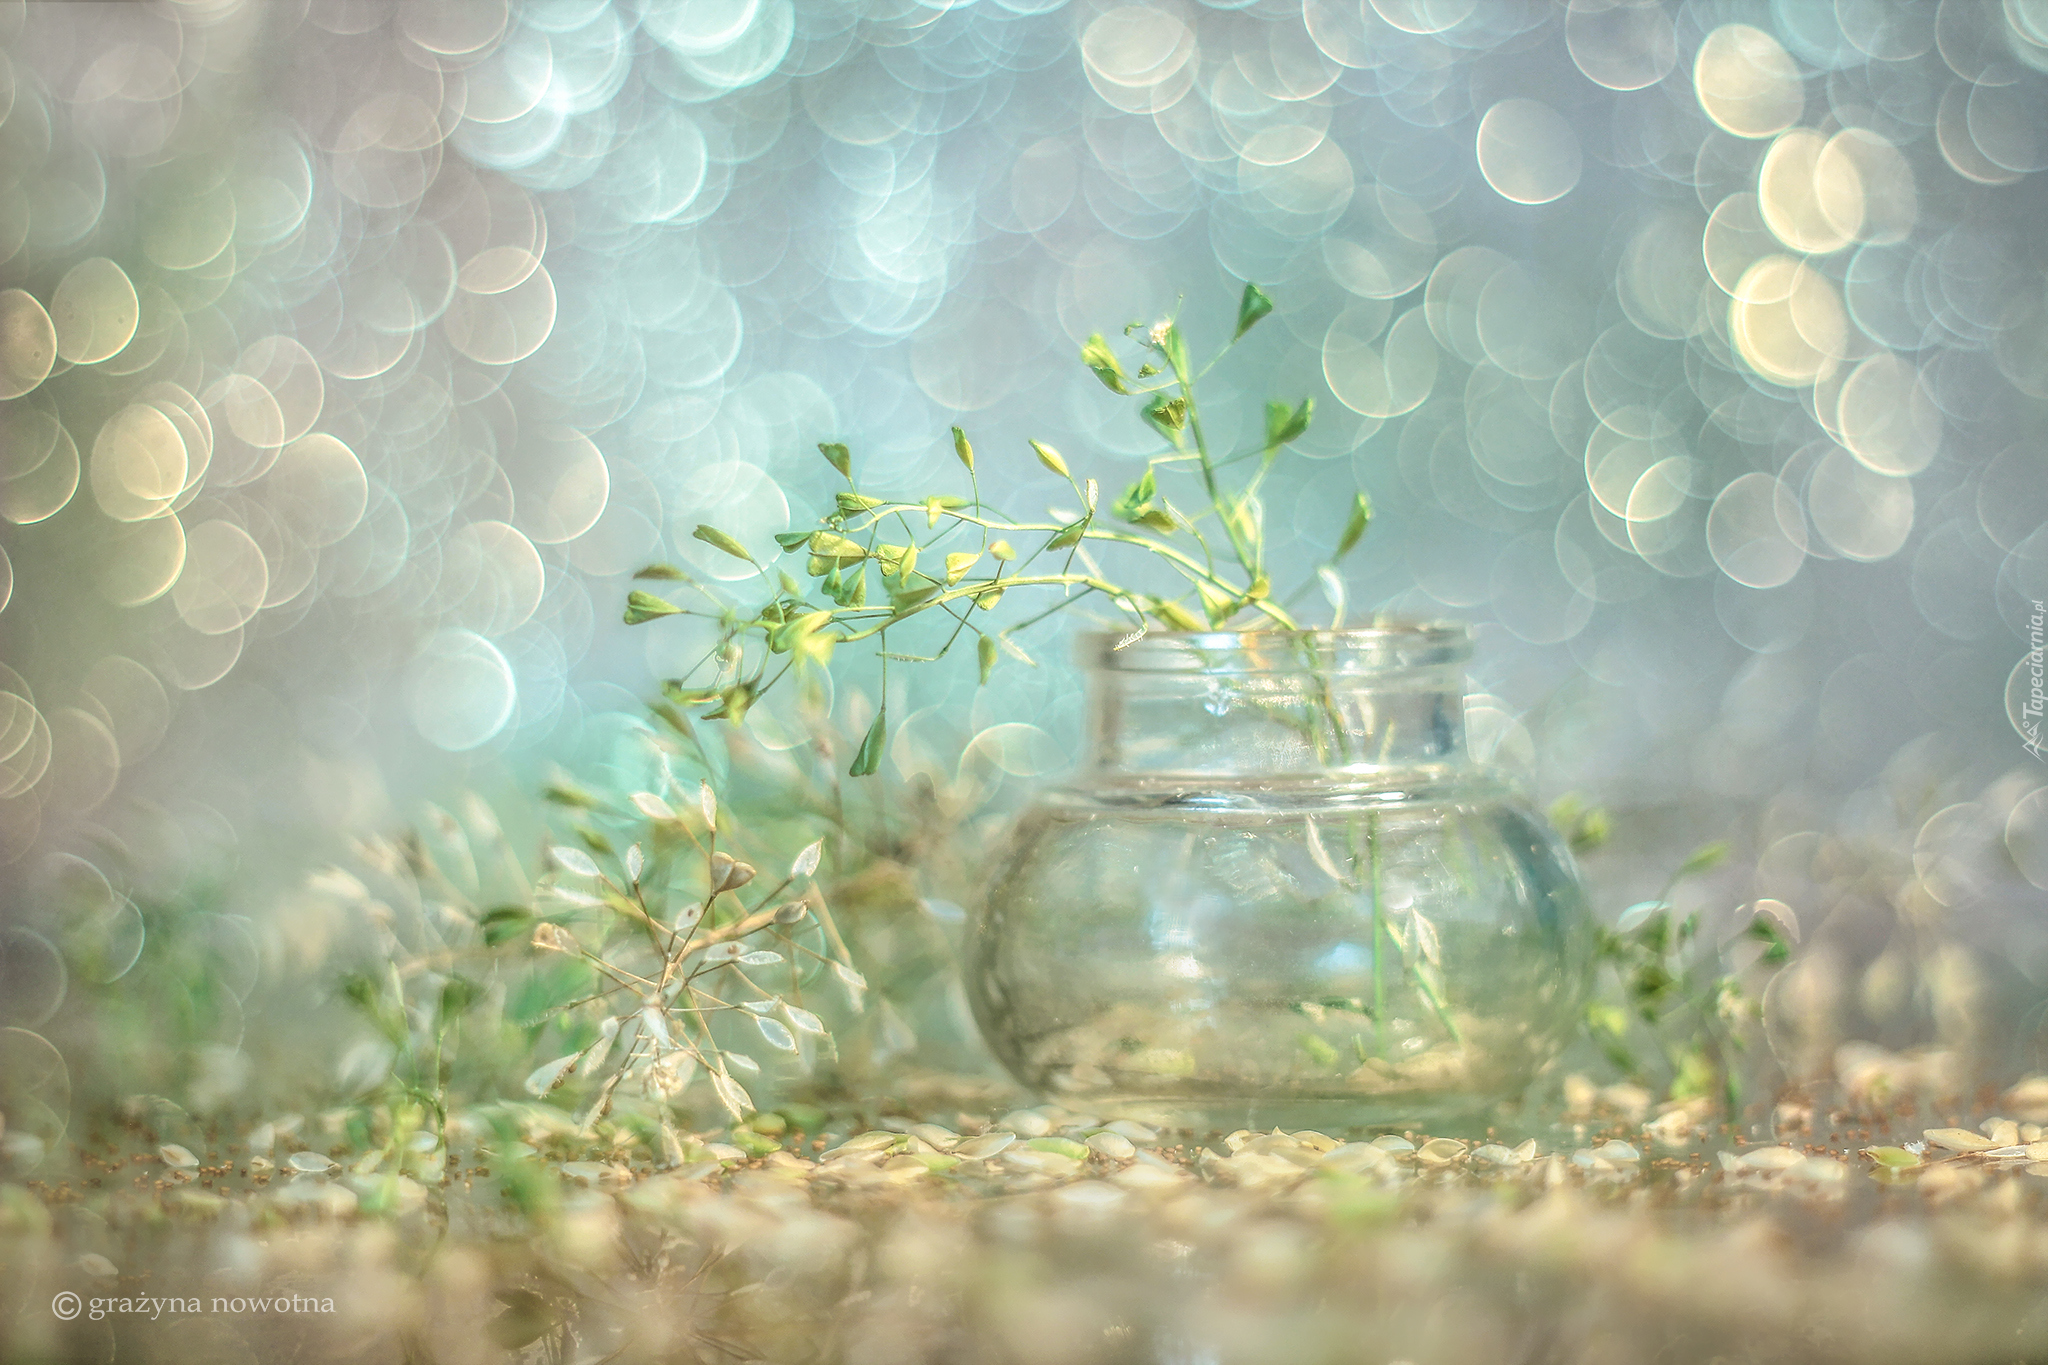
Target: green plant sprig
(1669, 992)
(963, 559)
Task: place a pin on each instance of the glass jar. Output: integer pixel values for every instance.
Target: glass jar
(1281, 892)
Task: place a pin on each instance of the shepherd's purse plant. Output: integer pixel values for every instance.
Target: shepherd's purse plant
(874, 564)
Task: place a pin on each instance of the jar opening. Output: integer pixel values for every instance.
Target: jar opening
(1386, 646)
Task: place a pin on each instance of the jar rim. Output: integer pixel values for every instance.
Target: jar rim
(1394, 643)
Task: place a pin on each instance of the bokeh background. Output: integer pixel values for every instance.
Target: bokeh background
(354, 354)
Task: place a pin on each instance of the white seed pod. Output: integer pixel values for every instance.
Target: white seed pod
(655, 1026)
(541, 1082)
(573, 860)
(652, 806)
(730, 1092)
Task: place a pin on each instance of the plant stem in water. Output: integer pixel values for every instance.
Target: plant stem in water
(1379, 981)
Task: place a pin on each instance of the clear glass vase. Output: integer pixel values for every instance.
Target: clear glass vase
(1281, 892)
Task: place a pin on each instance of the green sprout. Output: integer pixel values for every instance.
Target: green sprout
(1671, 1004)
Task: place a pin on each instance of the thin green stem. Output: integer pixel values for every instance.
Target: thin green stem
(1379, 931)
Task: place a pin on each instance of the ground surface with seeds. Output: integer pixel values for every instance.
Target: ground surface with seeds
(941, 1232)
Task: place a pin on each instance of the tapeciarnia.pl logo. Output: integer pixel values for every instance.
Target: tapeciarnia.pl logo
(2032, 704)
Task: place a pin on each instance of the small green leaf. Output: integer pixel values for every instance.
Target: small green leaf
(826, 545)
(1765, 930)
(1283, 424)
(1590, 831)
(664, 571)
(790, 540)
(963, 449)
(868, 758)
(719, 540)
(645, 606)
(1069, 534)
(1319, 1052)
(817, 646)
(1892, 1158)
(1137, 499)
(1607, 1019)
(985, 649)
(733, 703)
(674, 690)
(806, 1118)
(1704, 858)
(1218, 604)
(1251, 307)
(1050, 458)
(1058, 1146)
(1354, 527)
(1167, 415)
(903, 599)
(1097, 356)
(1175, 616)
(360, 989)
(849, 503)
(957, 565)
(458, 993)
(505, 923)
(838, 457)
(1695, 1077)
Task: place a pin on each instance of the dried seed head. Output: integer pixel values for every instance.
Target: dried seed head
(728, 873)
(790, 913)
